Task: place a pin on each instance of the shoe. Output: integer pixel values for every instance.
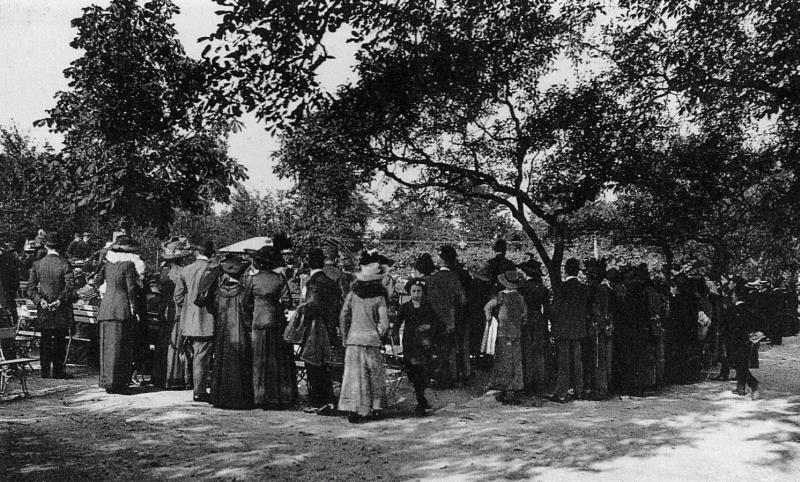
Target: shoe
(353, 417)
(64, 376)
(205, 398)
(118, 391)
(420, 411)
(720, 378)
(375, 416)
(46, 375)
(739, 391)
(561, 399)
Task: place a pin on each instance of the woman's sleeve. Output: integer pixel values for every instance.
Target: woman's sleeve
(383, 317)
(345, 317)
(488, 310)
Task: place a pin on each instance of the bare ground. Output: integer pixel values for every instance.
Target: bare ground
(73, 431)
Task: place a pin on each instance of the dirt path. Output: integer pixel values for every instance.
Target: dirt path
(71, 431)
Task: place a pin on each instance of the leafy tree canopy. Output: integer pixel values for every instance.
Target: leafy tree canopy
(132, 134)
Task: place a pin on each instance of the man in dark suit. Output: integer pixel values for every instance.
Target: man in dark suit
(197, 322)
(51, 288)
(323, 298)
(570, 326)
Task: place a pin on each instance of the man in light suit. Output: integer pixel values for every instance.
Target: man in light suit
(569, 320)
(51, 287)
(197, 322)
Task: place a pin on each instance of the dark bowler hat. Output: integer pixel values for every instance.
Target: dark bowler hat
(425, 264)
(448, 253)
(315, 255)
(500, 246)
(51, 240)
(531, 266)
(206, 248)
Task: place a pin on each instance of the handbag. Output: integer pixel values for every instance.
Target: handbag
(296, 328)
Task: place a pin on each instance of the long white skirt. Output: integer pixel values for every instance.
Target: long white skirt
(364, 381)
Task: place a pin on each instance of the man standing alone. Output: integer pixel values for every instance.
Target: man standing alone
(569, 319)
(197, 323)
(51, 288)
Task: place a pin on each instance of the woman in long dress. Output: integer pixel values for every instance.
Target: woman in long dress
(169, 368)
(274, 382)
(363, 322)
(511, 311)
(115, 315)
(232, 380)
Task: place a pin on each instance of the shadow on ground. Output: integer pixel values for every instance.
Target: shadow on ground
(685, 433)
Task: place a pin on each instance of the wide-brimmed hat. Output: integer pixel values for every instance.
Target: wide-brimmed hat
(50, 240)
(371, 267)
(125, 244)
(206, 248)
(233, 265)
(86, 233)
(176, 247)
(265, 256)
(510, 279)
(531, 266)
(425, 264)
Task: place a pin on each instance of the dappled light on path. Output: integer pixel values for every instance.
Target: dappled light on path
(686, 433)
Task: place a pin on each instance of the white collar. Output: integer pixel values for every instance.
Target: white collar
(571, 277)
(444, 268)
(739, 303)
(201, 256)
(52, 251)
(313, 272)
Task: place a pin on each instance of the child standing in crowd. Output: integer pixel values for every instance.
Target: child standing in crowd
(510, 310)
(419, 319)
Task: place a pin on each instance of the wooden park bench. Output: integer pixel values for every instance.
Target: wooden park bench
(14, 367)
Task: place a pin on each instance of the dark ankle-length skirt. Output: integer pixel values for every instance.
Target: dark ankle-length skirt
(116, 353)
(274, 374)
(169, 369)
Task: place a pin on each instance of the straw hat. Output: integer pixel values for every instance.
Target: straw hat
(510, 279)
(125, 244)
(371, 267)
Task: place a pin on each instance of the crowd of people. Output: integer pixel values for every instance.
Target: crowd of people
(228, 328)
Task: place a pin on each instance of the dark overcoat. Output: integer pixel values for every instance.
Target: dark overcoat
(569, 315)
(51, 279)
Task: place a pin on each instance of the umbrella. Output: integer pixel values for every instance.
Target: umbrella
(252, 243)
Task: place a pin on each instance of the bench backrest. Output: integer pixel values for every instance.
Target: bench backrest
(84, 313)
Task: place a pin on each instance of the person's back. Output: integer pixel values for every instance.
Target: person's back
(445, 294)
(267, 287)
(569, 313)
(195, 320)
